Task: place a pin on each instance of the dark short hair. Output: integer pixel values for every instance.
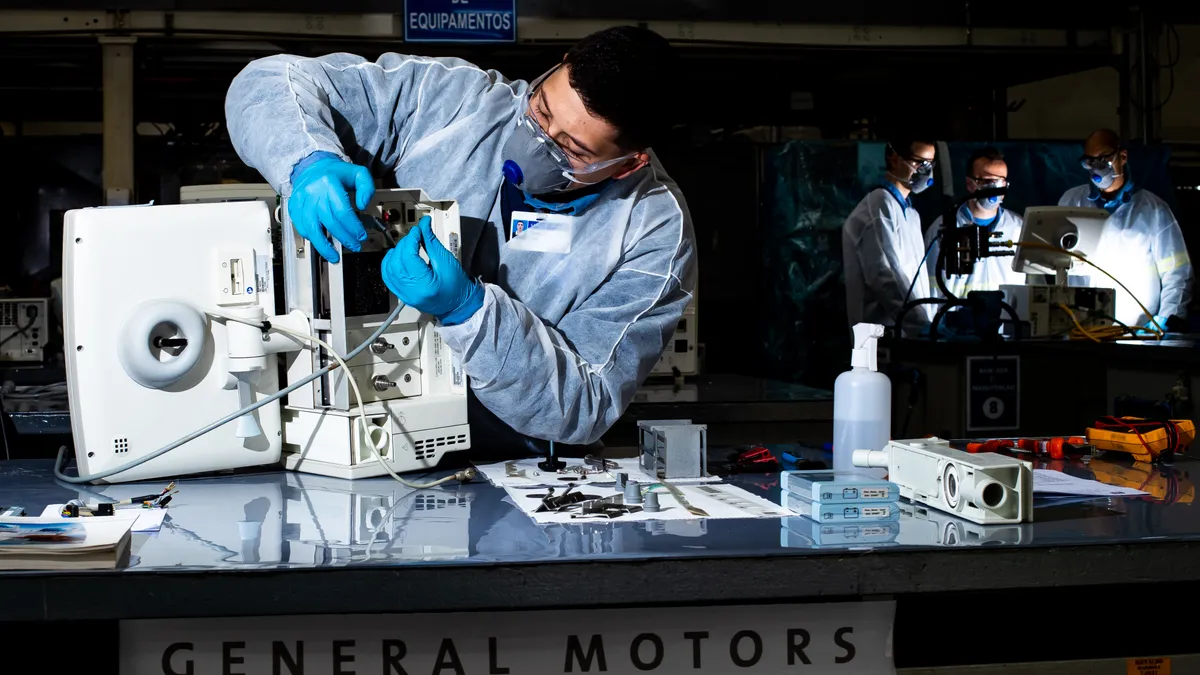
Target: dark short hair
(903, 146)
(629, 77)
(989, 153)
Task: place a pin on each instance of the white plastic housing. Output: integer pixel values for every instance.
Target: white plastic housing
(984, 488)
(424, 409)
(120, 263)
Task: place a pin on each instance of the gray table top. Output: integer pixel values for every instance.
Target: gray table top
(279, 542)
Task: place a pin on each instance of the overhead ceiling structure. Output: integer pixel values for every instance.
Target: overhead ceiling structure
(188, 51)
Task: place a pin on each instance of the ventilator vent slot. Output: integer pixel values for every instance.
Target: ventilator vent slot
(425, 448)
(120, 445)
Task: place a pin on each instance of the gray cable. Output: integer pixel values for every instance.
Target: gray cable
(62, 451)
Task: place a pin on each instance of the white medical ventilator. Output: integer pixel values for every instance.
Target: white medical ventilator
(862, 403)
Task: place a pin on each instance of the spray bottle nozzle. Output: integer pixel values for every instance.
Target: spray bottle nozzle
(866, 336)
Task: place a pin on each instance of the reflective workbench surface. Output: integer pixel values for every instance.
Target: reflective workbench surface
(271, 522)
(284, 519)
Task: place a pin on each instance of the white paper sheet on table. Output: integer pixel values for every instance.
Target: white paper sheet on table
(1047, 482)
(718, 501)
(533, 477)
(145, 520)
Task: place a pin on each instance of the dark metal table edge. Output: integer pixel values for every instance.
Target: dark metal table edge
(573, 584)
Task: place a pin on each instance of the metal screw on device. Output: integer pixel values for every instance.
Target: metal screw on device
(380, 346)
(381, 383)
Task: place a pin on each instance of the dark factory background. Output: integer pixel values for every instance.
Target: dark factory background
(788, 101)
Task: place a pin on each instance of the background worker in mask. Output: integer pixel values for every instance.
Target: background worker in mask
(1141, 244)
(986, 168)
(882, 243)
(556, 332)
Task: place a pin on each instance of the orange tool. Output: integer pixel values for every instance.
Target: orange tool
(1058, 447)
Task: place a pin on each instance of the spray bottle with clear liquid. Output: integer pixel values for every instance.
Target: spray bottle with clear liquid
(862, 403)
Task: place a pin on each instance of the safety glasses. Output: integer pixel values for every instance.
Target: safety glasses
(1099, 161)
(988, 182)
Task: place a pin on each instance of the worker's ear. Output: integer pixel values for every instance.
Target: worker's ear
(636, 162)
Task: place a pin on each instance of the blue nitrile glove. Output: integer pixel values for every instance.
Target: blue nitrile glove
(320, 202)
(439, 287)
(1162, 324)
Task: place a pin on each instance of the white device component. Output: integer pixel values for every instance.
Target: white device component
(328, 523)
(681, 352)
(1063, 227)
(24, 328)
(246, 192)
(922, 526)
(413, 386)
(984, 488)
(146, 364)
(1038, 305)
(237, 519)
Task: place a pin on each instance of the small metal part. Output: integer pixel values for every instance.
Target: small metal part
(651, 503)
(599, 463)
(678, 495)
(511, 470)
(633, 492)
(381, 383)
(622, 478)
(380, 346)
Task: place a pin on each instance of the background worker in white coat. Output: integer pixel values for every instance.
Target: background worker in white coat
(1141, 244)
(986, 169)
(882, 242)
(556, 333)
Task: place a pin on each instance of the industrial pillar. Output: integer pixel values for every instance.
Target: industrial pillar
(1141, 111)
(118, 119)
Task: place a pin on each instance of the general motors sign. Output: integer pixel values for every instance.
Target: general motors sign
(460, 20)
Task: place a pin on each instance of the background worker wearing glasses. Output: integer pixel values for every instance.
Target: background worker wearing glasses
(882, 242)
(1141, 244)
(557, 321)
(986, 168)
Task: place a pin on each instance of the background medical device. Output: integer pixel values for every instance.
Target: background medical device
(1041, 307)
(984, 488)
(1062, 227)
(24, 328)
(682, 352)
(150, 353)
(414, 388)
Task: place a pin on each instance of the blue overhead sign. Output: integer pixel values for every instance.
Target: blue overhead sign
(460, 20)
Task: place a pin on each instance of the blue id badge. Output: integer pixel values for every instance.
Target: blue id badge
(540, 232)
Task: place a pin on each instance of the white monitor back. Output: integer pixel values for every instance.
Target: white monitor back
(1067, 227)
(115, 261)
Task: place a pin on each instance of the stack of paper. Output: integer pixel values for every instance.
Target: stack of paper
(60, 544)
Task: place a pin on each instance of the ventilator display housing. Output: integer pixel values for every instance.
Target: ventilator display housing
(24, 329)
(984, 488)
(422, 401)
(1063, 227)
(135, 275)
